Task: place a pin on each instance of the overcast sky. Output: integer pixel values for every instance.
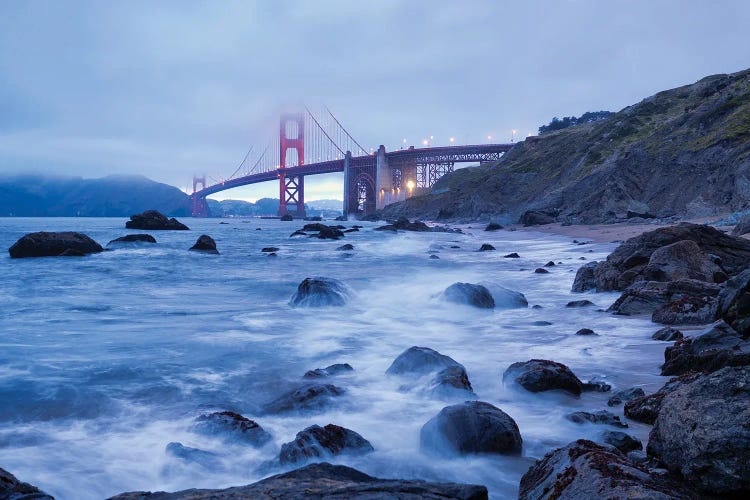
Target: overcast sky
(166, 89)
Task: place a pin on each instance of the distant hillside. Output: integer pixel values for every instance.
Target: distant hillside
(113, 196)
(241, 208)
(683, 152)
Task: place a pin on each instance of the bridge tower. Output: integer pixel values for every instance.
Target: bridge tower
(200, 207)
(291, 187)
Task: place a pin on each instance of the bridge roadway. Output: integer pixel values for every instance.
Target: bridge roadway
(442, 154)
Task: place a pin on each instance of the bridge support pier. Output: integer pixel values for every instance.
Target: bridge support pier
(200, 207)
(292, 192)
(347, 173)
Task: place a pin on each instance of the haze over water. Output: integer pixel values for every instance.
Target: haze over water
(106, 359)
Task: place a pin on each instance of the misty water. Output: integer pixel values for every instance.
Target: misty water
(106, 359)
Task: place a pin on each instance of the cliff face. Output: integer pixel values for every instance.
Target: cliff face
(683, 152)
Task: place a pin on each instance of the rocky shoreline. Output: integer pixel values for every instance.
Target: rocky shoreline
(685, 274)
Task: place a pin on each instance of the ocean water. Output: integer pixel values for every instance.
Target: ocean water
(106, 359)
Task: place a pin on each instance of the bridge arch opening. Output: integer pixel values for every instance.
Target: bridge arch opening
(365, 192)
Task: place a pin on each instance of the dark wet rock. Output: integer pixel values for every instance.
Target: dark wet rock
(631, 262)
(493, 226)
(405, 225)
(622, 441)
(314, 218)
(579, 303)
(351, 230)
(195, 455)
(687, 310)
(586, 470)
(286, 218)
(314, 227)
(585, 279)
(742, 227)
(434, 257)
(272, 254)
(329, 371)
(513, 255)
(134, 238)
(541, 322)
(420, 361)
(538, 375)
(341, 218)
(323, 232)
(537, 218)
(734, 303)
(586, 331)
(298, 232)
(541, 270)
(323, 480)
(630, 214)
(714, 348)
(505, 298)
(471, 427)
(486, 247)
(596, 386)
(319, 292)
(667, 334)
(469, 294)
(646, 408)
(702, 432)
(269, 249)
(549, 264)
(205, 244)
(625, 395)
(452, 381)
(45, 244)
(13, 489)
(151, 220)
(232, 426)
(346, 247)
(308, 397)
(645, 297)
(323, 442)
(387, 227)
(602, 417)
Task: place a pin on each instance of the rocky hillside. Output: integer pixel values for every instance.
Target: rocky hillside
(113, 196)
(683, 152)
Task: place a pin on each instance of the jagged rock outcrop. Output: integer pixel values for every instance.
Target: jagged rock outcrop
(133, 238)
(205, 244)
(329, 441)
(329, 371)
(47, 244)
(323, 480)
(13, 489)
(647, 297)
(151, 220)
(714, 348)
(231, 426)
(319, 292)
(309, 397)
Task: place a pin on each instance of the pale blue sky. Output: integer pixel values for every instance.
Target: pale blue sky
(165, 89)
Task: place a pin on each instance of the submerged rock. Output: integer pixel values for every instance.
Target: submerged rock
(486, 247)
(307, 397)
(205, 458)
(579, 303)
(329, 371)
(541, 270)
(625, 395)
(505, 298)
(420, 361)
(344, 248)
(452, 381)
(45, 244)
(602, 417)
(232, 426)
(319, 292)
(269, 249)
(328, 441)
(539, 375)
(470, 428)
(152, 220)
(324, 480)
(585, 470)
(513, 255)
(133, 238)
(13, 489)
(286, 218)
(587, 331)
(702, 432)
(469, 294)
(205, 244)
(667, 334)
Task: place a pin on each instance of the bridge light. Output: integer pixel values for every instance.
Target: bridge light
(452, 139)
(410, 185)
(425, 142)
(489, 138)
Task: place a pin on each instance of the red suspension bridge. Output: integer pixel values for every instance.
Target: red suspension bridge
(309, 145)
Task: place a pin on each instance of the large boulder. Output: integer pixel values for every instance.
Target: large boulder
(631, 261)
(13, 489)
(505, 298)
(646, 408)
(452, 381)
(585, 279)
(320, 292)
(601, 417)
(311, 397)
(328, 441)
(205, 244)
(586, 470)
(46, 244)
(471, 427)
(152, 220)
(714, 348)
(232, 426)
(323, 480)
(537, 218)
(734, 303)
(700, 300)
(450, 377)
(682, 260)
(469, 294)
(539, 375)
(133, 238)
(621, 440)
(703, 432)
(329, 371)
